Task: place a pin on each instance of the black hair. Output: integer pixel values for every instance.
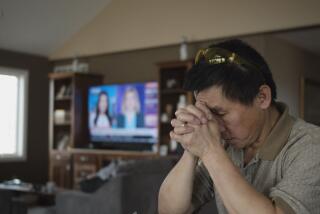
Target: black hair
(97, 107)
(238, 83)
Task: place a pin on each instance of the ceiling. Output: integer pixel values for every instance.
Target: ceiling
(42, 26)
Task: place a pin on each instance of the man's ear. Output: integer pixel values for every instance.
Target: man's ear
(264, 97)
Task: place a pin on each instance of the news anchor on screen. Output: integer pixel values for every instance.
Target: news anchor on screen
(131, 116)
(100, 118)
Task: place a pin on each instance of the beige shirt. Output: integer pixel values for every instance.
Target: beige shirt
(286, 168)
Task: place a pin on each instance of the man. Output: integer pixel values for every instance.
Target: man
(242, 148)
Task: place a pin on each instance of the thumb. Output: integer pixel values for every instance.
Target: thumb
(213, 127)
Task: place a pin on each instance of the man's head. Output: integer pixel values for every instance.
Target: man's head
(238, 81)
(235, 82)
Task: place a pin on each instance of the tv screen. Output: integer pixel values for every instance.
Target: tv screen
(123, 114)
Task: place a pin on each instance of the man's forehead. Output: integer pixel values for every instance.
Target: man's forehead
(212, 97)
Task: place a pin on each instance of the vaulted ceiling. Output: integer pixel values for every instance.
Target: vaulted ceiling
(41, 26)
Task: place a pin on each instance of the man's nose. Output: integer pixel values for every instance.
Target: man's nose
(222, 127)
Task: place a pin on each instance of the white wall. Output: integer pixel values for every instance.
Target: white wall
(129, 25)
(288, 64)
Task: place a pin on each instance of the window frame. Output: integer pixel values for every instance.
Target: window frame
(22, 111)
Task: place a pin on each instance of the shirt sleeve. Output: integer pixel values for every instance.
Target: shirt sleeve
(202, 187)
(299, 189)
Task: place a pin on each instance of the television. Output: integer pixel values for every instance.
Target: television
(123, 116)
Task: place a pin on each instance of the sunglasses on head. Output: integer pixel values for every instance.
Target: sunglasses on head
(217, 55)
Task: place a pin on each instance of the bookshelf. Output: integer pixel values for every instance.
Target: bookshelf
(171, 77)
(67, 121)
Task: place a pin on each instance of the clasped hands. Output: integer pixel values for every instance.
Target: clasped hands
(196, 128)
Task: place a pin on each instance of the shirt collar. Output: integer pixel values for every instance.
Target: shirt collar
(278, 136)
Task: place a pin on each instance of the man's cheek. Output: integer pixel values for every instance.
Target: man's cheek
(235, 133)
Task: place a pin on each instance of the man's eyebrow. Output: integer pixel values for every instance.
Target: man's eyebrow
(216, 109)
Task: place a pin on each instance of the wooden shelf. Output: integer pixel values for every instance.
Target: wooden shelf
(175, 72)
(106, 152)
(59, 152)
(114, 152)
(62, 75)
(66, 75)
(74, 102)
(63, 124)
(63, 99)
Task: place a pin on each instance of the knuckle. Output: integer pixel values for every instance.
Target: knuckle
(179, 129)
(189, 106)
(173, 122)
(171, 134)
(198, 104)
(193, 117)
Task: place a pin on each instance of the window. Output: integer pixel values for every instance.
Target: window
(13, 113)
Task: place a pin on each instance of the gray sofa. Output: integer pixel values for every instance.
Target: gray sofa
(134, 191)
